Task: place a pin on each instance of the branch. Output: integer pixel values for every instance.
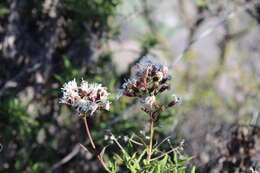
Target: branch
(66, 159)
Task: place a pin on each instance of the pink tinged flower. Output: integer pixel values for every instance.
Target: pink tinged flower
(84, 87)
(150, 101)
(165, 71)
(87, 98)
(93, 107)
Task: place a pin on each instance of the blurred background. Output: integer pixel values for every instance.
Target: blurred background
(45, 43)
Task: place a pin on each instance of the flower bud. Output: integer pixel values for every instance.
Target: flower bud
(163, 88)
(175, 101)
(159, 76)
(154, 87)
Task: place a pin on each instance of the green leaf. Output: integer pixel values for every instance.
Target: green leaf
(163, 162)
(141, 156)
(202, 3)
(66, 62)
(58, 77)
(3, 11)
(193, 169)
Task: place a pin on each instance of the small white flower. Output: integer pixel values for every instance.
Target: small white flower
(126, 138)
(84, 86)
(70, 86)
(142, 132)
(82, 105)
(106, 137)
(159, 75)
(176, 98)
(70, 93)
(112, 137)
(93, 107)
(107, 106)
(165, 70)
(148, 102)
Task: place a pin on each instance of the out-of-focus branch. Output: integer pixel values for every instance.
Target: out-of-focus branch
(224, 45)
(43, 60)
(210, 30)
(66, 159)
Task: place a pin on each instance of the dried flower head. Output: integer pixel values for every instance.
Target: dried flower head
(87, 98)
(150, 68)
(148, 78)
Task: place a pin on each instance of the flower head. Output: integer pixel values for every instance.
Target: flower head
(148, 78)
(85, 99)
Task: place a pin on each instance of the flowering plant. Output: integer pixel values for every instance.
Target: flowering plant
(86, 99)
(149, 79)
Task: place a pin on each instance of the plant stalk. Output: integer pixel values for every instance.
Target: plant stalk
(150, 149)
(88, 133)
(93, 144)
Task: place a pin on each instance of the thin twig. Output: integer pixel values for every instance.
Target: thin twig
(99, 156)
(165, 139)
(172, 150)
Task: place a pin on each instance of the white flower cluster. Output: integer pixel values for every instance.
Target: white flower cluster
(87, 98)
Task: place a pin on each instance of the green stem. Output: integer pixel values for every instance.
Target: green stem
(150, 148)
